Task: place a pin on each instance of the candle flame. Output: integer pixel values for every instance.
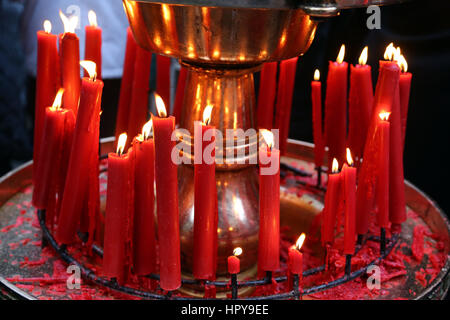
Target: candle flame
(335, 167)
(92, 18)
(207, 114)
(384, 115)
(389, 52)
(317, 75)
(160, 106)
(237, 251)
(402, 63)
(363, 57)
(58, 99)
(69, 23)
(340, 57)
(121, 143)
(349, 157)
(268, 137)
(146, 129)
(90, 67)
(300, 241)
(47, 26)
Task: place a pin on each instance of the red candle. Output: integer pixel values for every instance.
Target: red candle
(138, 112)
(126, 85)
(295, 260)
(397, 204)
(163, 78)
(266, 95)
(331, 204)
(205, 230)
(179, 97)
(234, 264)
(80, 163)
(360, 104)
(93, 43)
(383, 100)
(383, 128)
(117, 215)
(316, 98)
(405, 88)
(47, 84)
(144, 241)
(284, 100)
(70, 63)
(269, 205)
(336, 108)
(349, 176)
(166, 199)
(53, 132)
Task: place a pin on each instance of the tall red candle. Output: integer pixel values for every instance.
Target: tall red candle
(138, 112)
(234, 264)
(205, 230)
(349, 176)
(117, 215)
(266, 95)
(285, 94)
(383, 101)
(47, 84)
(70, 63)
(166, 199)
(316, 98)
(360, 105)
(144, 241)
(269, 205)
(163, 78)
(179, 97)
(336, 108)
(331, 204)
(126, 85)
(93, 43)
(397, 204)
(52, 135)
(382, 192)
(80, 162)
(405, 88)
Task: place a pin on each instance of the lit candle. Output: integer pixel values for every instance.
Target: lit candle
(295, 260)
(331, 204)
(269, 205)
(383, 128)
(126, 85)
(117, 213)
(93, 43)
(285, 94)
(383, 101)
(85, 143)
(266, 95)
(349, 178)
(47, 84)
(205, 197)
(316, 98)
(70, 63)
(405, 87)
(234, 264)
(336, 108)
(360, 104)
(166, 199)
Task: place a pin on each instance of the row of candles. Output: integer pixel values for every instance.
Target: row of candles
(66, 173)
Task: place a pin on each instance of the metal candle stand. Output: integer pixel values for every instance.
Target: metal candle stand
(386, 246)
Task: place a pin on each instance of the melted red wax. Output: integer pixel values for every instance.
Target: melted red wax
(426, 254)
